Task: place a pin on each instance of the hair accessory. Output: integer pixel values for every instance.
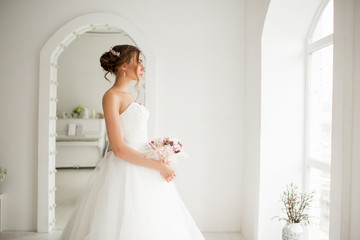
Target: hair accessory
(114, 52)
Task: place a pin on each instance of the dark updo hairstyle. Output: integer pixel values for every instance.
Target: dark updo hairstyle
(111, 62)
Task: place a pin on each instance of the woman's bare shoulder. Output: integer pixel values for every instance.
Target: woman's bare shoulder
(111, 96)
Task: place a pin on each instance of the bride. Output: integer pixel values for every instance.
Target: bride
(128, 196)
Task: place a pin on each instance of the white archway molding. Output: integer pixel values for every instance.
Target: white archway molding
(49, 54)
(255, 18)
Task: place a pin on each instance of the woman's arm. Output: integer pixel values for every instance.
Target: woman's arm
(111, 103)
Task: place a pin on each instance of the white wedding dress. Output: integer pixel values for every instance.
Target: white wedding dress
(125, 201)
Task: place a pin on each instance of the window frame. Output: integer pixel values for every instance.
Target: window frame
(311, 47)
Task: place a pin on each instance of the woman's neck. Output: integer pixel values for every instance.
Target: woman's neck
(122, 84)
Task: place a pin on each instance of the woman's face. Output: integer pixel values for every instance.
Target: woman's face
(138, 67)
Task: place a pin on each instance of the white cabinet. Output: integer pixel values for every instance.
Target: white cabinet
(85, 148)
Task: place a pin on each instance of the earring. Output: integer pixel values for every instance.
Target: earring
(124, 73)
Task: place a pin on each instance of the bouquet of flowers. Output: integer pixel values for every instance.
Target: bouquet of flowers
(166, 149)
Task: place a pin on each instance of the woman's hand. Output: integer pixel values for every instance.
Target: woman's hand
(167, 172)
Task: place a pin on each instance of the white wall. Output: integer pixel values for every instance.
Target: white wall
(345, 185)
(200, 76)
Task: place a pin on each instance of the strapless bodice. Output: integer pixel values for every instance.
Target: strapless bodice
(134, 126)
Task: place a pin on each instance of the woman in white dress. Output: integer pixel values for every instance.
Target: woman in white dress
(129, 196)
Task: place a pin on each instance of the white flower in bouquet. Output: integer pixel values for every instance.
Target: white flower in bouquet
(166, 149)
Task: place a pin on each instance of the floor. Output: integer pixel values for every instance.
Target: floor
(55, 234)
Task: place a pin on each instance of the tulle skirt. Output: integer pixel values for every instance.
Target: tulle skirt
(125, 201)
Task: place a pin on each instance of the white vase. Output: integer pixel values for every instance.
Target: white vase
(86, 113)
(293, 231)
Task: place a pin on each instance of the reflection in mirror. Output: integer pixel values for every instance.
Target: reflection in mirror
(80, 126)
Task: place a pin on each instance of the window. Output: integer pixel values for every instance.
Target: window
(319, 82)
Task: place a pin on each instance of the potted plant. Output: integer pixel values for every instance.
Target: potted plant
(3, 173)
(77, 111)
(296, 206)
